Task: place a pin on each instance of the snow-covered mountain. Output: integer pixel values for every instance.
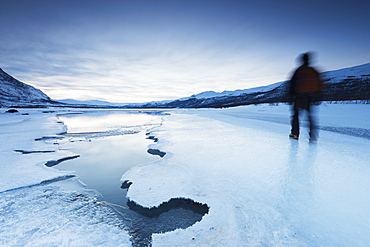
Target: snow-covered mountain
(335, 76)
(16, 93)
(344, 84)
(348, 84)
(211, 94)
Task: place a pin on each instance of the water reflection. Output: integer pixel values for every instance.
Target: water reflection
(110, 121)
(103, 161)
(299, 188)
(105, 153)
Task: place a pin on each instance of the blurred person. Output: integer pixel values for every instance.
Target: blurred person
(304, 91)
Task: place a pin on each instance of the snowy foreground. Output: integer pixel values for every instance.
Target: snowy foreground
(263, 189)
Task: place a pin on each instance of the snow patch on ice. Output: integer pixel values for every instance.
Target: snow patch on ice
(145, 187)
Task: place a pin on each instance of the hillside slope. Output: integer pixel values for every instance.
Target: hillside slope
(16, 93)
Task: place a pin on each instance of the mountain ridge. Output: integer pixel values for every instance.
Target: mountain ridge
(16, 93)
(351, 83)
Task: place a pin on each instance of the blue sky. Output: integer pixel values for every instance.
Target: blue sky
(145, 50)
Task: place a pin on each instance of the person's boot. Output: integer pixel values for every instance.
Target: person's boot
(295, 137)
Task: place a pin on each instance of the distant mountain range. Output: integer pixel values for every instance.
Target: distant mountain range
(344, 84)
(91, 102)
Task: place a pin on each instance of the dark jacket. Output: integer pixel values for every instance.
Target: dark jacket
(305, 81)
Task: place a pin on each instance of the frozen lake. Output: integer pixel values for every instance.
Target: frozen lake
(259, 187)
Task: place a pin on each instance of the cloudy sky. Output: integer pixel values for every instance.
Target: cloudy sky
(145, 50)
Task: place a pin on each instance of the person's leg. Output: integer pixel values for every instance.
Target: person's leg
(295, 119)
(311, 118)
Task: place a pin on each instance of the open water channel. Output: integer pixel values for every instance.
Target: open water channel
(109, 143)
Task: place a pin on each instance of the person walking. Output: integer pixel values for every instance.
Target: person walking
(304, 90)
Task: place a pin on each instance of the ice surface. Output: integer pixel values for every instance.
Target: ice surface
(18, 132)
(39, 205)
(263, 189)
(57, 214)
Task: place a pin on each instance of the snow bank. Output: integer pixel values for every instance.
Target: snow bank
(262, 188)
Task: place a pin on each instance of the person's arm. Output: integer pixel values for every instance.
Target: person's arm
(317, 96)
(292, 87)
